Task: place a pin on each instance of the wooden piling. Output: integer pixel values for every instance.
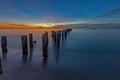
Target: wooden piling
(4, 44)
(53, 35)
(31, 40)
(58, 38)
(45, 45)
(46, 36)
(24, 44)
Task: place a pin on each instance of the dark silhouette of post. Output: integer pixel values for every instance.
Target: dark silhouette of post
(1, 66)
(4, 44)
(46, 35)
(24, 44)
(58, 38)
(31, 40)
(54, 35)
(45, 45)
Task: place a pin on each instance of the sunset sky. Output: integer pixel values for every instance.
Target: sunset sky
(37, 12)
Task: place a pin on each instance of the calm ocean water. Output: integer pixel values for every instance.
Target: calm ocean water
(85, 54)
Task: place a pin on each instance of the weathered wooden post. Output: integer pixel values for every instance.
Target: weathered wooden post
(31, 40)
(0, 66)
(45, 45)
(47, 36)
(58, 39)
(55, 36)
(24, 44)
(4, 44)
(65, 34)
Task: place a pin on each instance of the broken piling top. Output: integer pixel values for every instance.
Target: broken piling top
(31, 40)
(4, 40)
(4, 43)
(24, 44)
(46, 32)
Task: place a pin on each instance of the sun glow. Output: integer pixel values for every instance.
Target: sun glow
(45, 25)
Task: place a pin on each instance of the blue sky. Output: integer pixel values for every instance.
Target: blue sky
(53, 11)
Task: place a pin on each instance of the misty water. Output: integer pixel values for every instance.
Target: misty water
(85, 54)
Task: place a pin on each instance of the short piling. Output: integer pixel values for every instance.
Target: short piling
(54, 35)
(31, 40)
(46, 36)
(24, 45)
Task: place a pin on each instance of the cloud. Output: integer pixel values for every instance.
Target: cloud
(110, 12)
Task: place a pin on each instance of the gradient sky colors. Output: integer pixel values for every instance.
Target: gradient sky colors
(53, 11)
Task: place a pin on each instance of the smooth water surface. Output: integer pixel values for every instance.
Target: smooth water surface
(85, 54)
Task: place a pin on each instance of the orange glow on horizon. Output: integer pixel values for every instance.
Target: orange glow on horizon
(30, 26)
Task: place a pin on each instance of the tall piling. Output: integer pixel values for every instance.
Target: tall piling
(4, 44)
(31, 40)
(47, 36)
(58, 38)
(24, 45)
(45, 45)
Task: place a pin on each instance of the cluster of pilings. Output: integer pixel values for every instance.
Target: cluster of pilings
(56, 35)
(24, 41)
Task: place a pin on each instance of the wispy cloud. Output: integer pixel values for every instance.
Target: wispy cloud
(115, 11)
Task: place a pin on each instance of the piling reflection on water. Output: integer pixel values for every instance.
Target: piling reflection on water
(4, 56)
(31, 55)
(44, 61)
(24, 59)
(0, 66)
